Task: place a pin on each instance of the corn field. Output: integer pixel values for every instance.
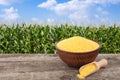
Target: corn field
(35, 38)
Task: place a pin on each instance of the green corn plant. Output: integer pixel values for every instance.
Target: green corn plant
(25, 39)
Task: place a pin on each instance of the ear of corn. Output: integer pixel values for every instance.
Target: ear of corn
(42, 38)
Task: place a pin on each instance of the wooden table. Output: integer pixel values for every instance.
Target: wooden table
(50, 67)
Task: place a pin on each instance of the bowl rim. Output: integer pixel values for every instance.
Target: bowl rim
(78, 52)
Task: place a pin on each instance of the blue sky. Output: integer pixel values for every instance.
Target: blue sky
(60, 11)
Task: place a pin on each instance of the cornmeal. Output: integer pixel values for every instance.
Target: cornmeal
(85, 71)
(77, 44)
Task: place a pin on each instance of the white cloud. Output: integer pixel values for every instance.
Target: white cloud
(79, 10)
(114, 1)
(64, 8)
(61, 7)
(71, 7)
(103, 1)
(47, 4)
(8, 2)
(10, 14)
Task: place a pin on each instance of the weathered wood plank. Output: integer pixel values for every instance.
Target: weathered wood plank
(50, 67)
